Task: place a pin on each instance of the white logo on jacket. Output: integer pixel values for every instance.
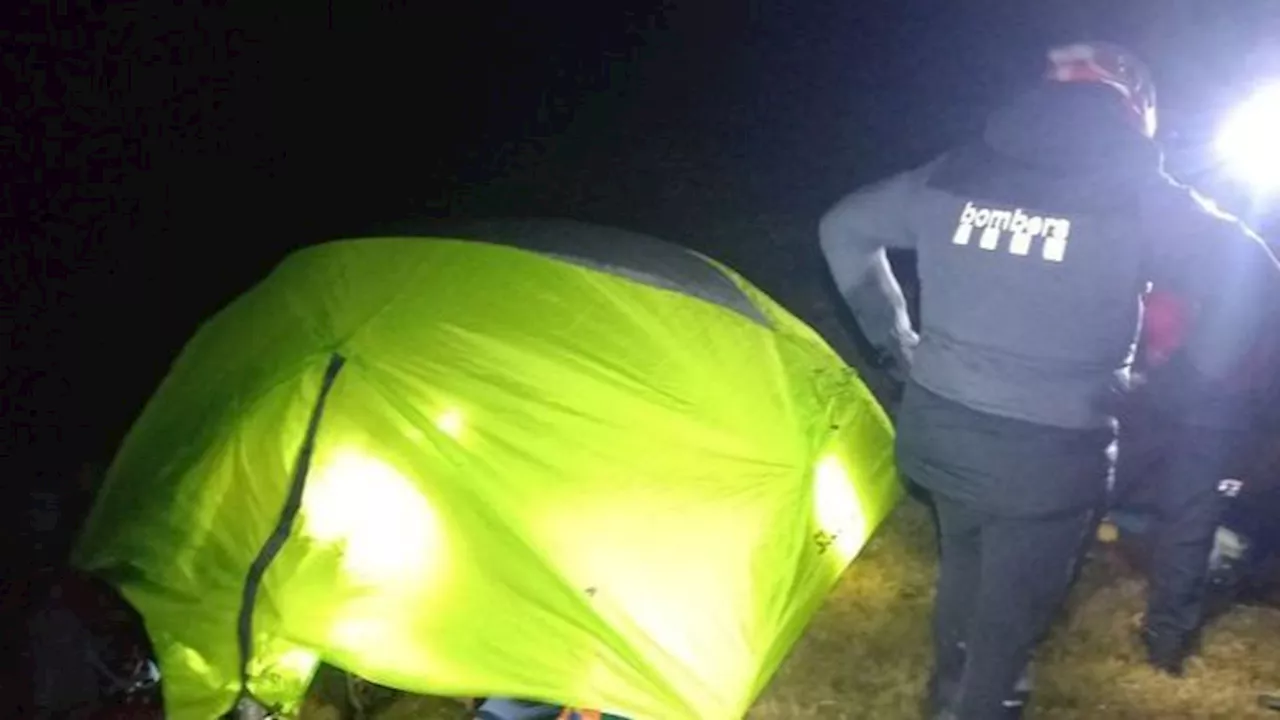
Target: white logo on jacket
(1022, 229)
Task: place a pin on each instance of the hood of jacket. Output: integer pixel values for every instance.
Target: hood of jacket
(1071, 128)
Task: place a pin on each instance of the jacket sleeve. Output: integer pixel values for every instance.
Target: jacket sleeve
(854, 235)
(1228, 277)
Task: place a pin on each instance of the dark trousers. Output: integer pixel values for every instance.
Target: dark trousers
(1015, 502)
(1172, 471)
(1002, 580)
(1188, 516)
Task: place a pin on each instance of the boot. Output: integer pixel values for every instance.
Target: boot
(1168, 652)
(941, 697)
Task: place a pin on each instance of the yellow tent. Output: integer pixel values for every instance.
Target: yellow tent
(533, 459)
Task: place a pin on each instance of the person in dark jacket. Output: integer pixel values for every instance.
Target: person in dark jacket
(1187, 448)
(1034, 244)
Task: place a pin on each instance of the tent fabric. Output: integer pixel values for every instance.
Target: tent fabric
(513, 475)
(633, 255)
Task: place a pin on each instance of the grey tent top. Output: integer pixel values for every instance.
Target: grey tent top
(620, 252)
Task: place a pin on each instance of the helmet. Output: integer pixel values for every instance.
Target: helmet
(1112, 65)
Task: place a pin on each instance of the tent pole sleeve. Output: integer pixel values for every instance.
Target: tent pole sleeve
(284, 526)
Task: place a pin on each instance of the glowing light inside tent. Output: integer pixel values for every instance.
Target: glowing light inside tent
(384, 524)
(837, 509)
(279, 670)
(386, 629)
(298, 662)
(355, 632)
(1248, 143)
(452, 422)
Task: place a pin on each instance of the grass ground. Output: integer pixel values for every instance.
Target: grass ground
(866, 654)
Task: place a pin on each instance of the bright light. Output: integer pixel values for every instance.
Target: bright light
(452, 423)
(838, 511)
(1248, 144)
(280, 671)
(297, 662)
(382, 521)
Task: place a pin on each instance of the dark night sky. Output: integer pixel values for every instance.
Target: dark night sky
(159, 161)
